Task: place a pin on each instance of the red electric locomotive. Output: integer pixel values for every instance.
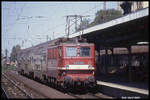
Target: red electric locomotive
(61, 61)
(71, 63)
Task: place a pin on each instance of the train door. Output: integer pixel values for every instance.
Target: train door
(59, 59)
(52, 63)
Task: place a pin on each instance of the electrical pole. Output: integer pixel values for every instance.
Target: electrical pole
(75, 18)
(75, 23)
(47, 37)
(81, 27)
(53, 36)
(104, 15)
(68, 26)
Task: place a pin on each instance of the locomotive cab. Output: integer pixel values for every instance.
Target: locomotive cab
(78, 64)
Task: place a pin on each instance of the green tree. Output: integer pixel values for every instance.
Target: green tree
(110, 15)
(14, 52)
(2, 56)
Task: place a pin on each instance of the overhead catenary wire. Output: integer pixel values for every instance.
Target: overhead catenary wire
(57, 26)
(65, 22)
(60, 25)
(82, 14)
(12, 25)
(52, 28)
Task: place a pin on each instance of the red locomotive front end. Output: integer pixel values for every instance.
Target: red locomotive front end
(77, 64)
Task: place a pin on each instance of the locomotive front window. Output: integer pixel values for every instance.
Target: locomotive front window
(71, 52)
(85, 51)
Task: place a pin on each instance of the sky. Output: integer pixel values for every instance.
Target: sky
(29, 23)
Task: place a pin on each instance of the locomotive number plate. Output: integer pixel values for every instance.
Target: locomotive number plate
(78, 63)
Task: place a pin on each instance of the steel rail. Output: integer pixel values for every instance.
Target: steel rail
(5, 93)
(22, 90)
(102, 96)
(83, 96)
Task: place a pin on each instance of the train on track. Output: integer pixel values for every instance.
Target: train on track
(65, 62)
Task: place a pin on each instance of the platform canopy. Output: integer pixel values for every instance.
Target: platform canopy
(121, 32)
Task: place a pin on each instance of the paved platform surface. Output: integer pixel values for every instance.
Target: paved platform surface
(123, 87)
(119, 87)
(119, 80)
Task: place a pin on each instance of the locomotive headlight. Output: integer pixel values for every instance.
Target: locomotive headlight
(78, 44)
(93, 72)
(67, 66)
(64, 73)
(90, 67)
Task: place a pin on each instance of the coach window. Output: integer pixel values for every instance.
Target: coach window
(34, 60)
(50, 54)
(22, 58)
(54, 54)
(44, 57)
(30, 60)
(85, 51)
(60, 53)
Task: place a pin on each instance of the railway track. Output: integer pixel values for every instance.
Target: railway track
(83, 96)
(4, 94)
(90, 96)
(35, 89)
(89, 93)
(78, 95)
(15, 89)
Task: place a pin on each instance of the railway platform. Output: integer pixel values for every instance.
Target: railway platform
(120, 88)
